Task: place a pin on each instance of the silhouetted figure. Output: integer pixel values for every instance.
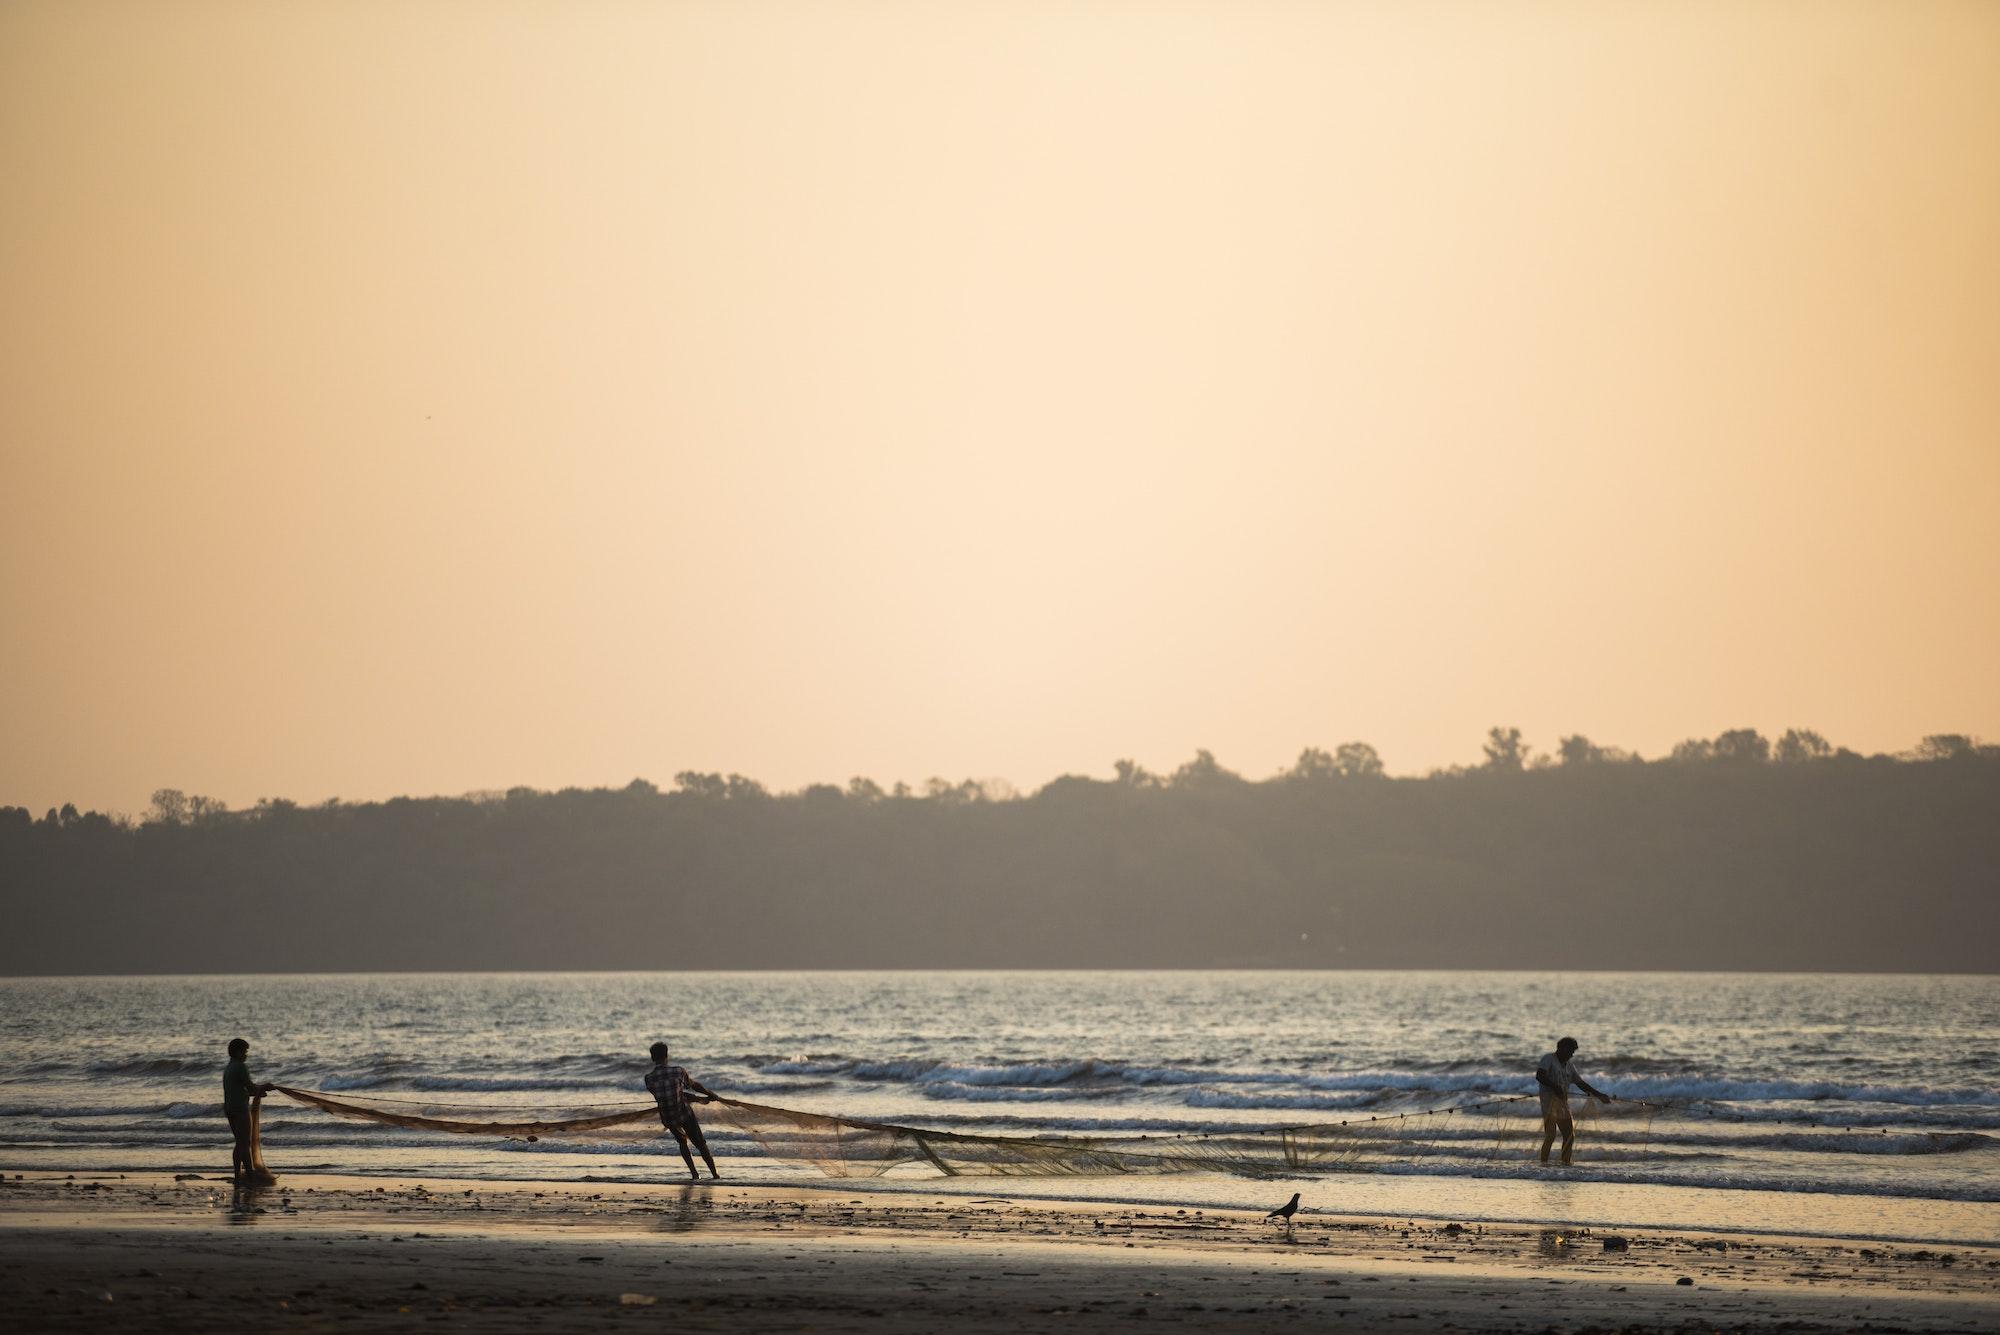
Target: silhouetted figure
(1555, 1075)
(1286, 1211)
(237, 1091)
(670, 1087)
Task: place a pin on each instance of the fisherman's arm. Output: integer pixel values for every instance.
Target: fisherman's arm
(1592, 1090)
(1542, 1079)
(707, 1094)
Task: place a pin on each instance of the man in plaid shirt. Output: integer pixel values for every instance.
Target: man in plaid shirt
(670, 1087)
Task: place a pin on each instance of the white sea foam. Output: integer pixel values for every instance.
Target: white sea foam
(1375, 1082)
(1781, 1083)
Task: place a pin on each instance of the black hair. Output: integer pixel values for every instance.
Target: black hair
(659, 1052)
(238, 1046)
(1568, 1043)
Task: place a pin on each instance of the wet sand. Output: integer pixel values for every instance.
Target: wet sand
(353, 1254)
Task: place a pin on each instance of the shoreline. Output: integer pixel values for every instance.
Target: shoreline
(1496, 1201)
(499, 1256)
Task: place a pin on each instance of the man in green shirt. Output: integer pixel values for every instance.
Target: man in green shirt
(237, 1091)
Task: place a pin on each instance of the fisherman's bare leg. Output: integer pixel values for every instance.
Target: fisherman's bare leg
(239, 1154)
(1569, 1137)
(700, 1143)
(680, 1137)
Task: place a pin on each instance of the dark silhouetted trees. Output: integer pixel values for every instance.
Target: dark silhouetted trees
(1945, 746)
(1350, 760)
(1505, 752)
(1729, 854)
(1131, 774)
(1313, 764)
(1203, 772)
(1800, 746)
(1577, 749)
(1741, 746)
(1357, 760)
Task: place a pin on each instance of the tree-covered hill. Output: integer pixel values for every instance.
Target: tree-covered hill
(1732, 854)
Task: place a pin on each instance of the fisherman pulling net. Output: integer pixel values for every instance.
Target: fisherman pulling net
(845, 1147)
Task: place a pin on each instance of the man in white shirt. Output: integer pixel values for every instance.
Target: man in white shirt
(1555, 1074)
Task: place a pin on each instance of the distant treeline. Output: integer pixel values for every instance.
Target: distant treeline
(1732, 853)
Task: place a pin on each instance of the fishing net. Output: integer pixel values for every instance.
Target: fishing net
(846, 1147)
(259, 1175)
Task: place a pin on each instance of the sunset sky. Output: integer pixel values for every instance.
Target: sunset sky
(426, 397)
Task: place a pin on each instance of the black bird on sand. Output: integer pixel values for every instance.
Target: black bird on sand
(1286, 1211)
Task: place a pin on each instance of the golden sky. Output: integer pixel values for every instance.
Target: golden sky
(424, 397)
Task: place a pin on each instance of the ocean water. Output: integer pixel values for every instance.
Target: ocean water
(1850, 1105)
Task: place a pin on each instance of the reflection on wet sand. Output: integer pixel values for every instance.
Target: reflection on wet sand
(249, 1199)
(691, 1209)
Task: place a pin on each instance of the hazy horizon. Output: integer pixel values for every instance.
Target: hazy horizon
(1535, 753)
(433, 399)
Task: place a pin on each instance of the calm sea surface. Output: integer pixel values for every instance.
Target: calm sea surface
(1866, 1106)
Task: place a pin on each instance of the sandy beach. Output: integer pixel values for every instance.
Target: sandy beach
(328, 1252)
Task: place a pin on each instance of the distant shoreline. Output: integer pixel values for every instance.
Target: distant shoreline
(1822, 866)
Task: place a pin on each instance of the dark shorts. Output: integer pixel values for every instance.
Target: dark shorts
(685, 1126)
(239, 1123)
